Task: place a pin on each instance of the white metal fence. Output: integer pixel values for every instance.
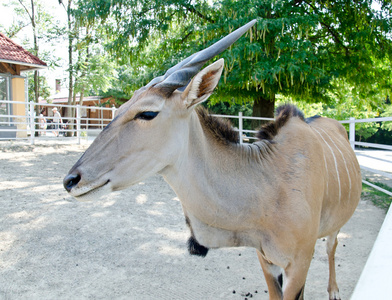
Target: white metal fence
(30, 124)
(90, 120)
(83, 123)
(353, 121)
(245, 135)
(353, 142)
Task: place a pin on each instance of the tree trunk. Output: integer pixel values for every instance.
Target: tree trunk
(263, 106)
(70, 84)
(36, 74)
(73, 111)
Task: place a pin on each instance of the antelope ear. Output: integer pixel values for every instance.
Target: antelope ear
(203, 84)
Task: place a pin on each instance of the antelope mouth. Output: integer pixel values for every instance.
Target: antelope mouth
(87, 193)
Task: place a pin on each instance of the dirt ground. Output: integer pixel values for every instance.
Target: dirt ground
(132, 244)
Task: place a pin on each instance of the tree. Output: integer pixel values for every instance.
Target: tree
(300, 48)
(346, 102)
(93, 69)
(146, 36)
(11, 30)
(89, 68)
(387, 113)
(32, 14)
(44, 87)
(30, 11)
(70, 32)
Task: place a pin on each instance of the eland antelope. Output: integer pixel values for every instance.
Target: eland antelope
(299, 182)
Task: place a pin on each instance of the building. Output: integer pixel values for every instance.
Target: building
(14, 60)
(90, 115)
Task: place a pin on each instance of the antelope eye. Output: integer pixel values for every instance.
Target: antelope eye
(147, 115)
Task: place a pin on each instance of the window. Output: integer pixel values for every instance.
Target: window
(5, 108)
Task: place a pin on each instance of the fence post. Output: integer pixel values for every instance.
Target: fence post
(352, 133)
(78, 123)
(113, 111)
(32, 125)
(240, 126)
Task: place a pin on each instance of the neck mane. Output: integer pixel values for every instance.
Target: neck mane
(223, 132)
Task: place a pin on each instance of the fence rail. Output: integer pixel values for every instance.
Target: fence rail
(353, 142)
(31, 121)
(83, 124)
(243, 132)
(25, 124)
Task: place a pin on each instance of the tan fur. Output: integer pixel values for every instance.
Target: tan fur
(279, 195)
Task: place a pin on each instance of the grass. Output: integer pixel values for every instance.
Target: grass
(378, 198)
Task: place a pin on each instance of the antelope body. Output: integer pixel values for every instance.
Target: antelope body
(299, 182)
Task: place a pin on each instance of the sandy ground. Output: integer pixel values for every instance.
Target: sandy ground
(132, 244)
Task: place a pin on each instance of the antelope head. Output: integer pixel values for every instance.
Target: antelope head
(149, 130)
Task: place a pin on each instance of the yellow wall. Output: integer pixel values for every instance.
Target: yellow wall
(18, 94)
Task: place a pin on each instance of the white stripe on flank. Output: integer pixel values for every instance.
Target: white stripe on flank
(345, 163)
(326, 168)
(334, 158)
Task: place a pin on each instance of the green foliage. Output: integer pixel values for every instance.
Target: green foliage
(275, 57)
(226, 108)
(378, 198)
(346, 102)
(123, 86)
(382, 136)
(354, 107)
(387, 113)
(336, 51)
(146, 34)
(301, 49)
(42, 28)
(298, 49)
(44, 90)
(94, 71)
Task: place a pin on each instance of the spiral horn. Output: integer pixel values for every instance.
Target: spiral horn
(179, 75)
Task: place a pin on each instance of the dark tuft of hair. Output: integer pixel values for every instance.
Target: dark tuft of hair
(220, 129)
(290, 110)
(311, 119)
(195, 248)
(283, 114)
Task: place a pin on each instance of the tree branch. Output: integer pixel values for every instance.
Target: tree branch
(15, 29)
(25, 8)
(193, 10)
(334, 35)
(186, 36)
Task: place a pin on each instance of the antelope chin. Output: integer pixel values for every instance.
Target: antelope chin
(87, 193)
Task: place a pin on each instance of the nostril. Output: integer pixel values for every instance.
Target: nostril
(70, 181)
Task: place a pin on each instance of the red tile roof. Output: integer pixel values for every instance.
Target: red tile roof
(12, 52)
